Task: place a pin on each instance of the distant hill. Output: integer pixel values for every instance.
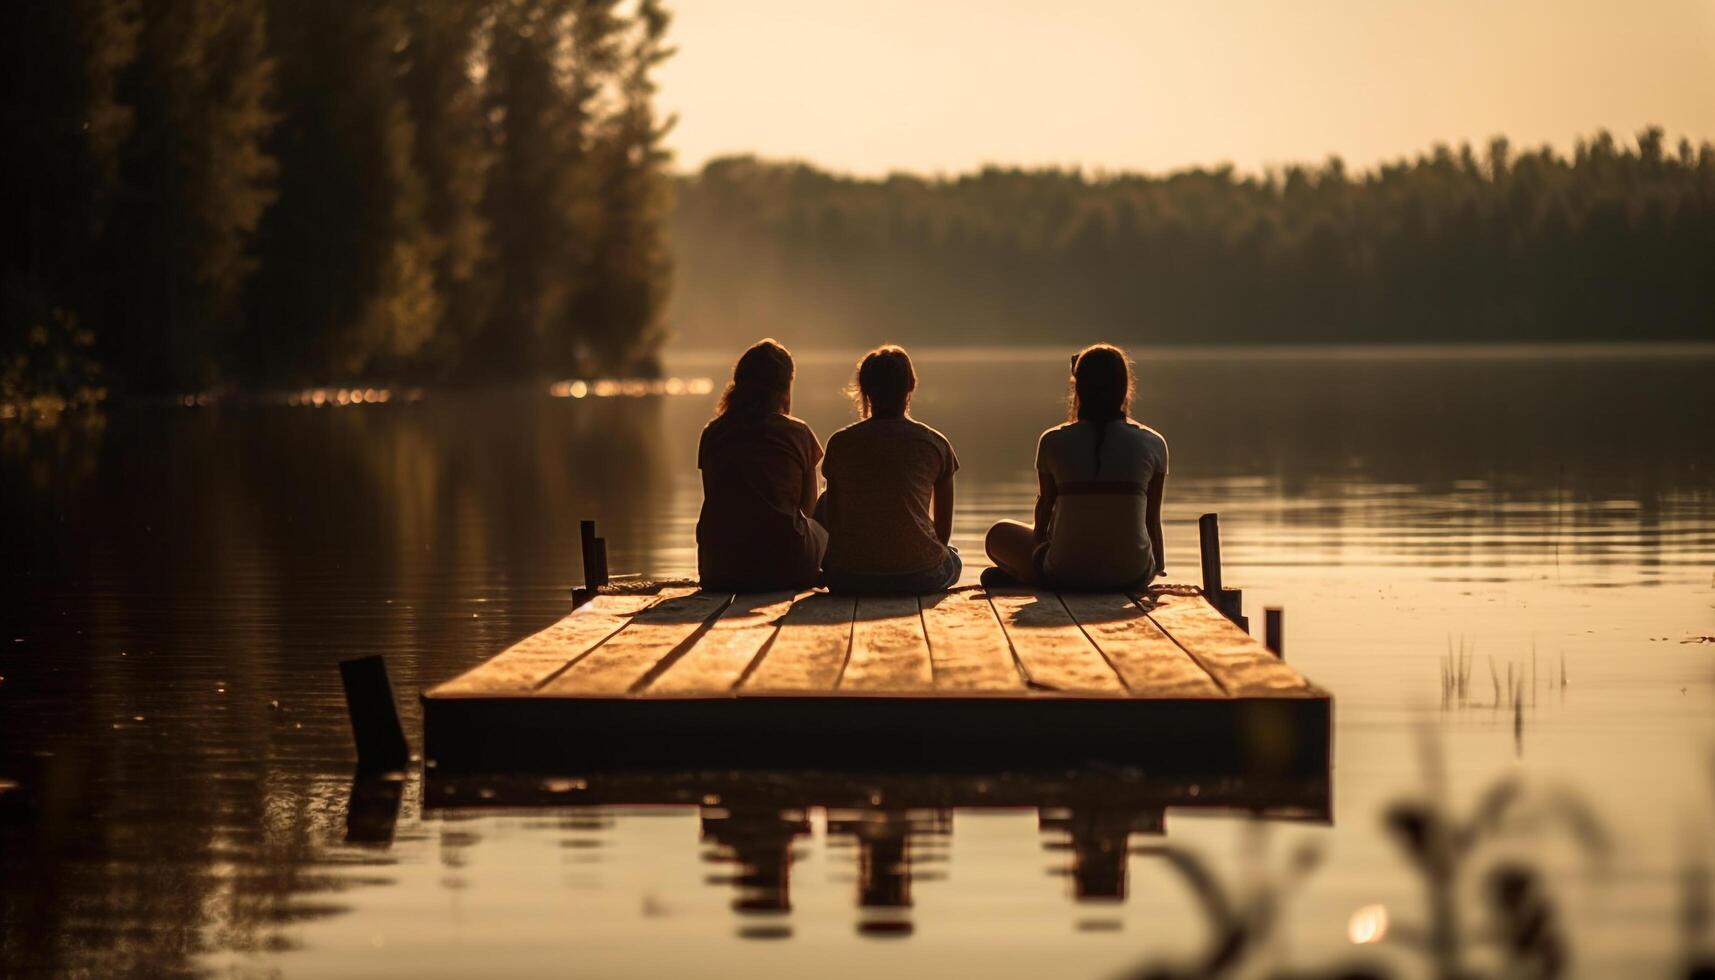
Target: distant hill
(1615, 241)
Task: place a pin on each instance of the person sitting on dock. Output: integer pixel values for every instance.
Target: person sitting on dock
(889, 503)
(756, 532)
(1100, 481)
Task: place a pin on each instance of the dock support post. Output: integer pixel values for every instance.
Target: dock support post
(594, 551)
(374, 716)
(1273, 629)
(1209, 547)
(586, 536)
(1229, 601)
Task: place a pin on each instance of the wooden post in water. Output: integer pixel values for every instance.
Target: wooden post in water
(587, 538)
(1229, 601)
(374, 717)
(595, 563)
(1209, 547)
(1274, 630)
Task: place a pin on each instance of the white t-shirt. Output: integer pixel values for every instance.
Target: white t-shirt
(1097, 536)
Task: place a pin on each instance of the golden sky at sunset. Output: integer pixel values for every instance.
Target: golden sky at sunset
(947, 85)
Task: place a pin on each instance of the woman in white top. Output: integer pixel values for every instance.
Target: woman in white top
(1098, 506)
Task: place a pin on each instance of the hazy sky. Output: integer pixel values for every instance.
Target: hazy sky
(946, 85)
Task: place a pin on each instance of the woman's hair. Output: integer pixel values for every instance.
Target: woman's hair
(1101, 389)
(761, 381)
(884, 382)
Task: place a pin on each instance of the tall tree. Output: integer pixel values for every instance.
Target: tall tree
(196, 183)
(59, 69)
(439, 77)
(347, 280)
(619, 309)
(546, 62)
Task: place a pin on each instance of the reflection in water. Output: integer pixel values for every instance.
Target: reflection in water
(759, 843)
(1100, 842)
(890, 843)
(895, 829)
(373, 810)
(179, 584)
(104, 865)
(171, 705)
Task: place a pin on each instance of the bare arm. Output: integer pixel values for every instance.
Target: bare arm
(1152, 517)
(1046, 493)
(807, 499)
(943, 504)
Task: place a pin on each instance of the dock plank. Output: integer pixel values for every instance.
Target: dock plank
(967, 646)
(810, 649)
(721, 657)
(1054, 653)
(1148, 660)
(520, 668)
(1241, 665)
(629, 655)
(889, 649)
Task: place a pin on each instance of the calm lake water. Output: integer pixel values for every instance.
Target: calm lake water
(180, 582)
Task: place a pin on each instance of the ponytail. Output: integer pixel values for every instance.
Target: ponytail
(1101, 436)
(1101, 389)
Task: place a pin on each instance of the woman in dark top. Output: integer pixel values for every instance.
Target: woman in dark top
(755, 533)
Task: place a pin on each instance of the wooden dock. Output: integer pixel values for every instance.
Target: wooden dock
(967, 680)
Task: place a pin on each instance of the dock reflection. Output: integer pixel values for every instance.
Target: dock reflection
(759, 842)
(893, 845)
(896, 829)
(1099, 840)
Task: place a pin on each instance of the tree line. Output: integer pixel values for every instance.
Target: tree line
(1614, 241)
(201, 192)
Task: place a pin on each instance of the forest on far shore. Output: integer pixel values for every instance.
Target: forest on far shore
(1615, 241)
(215, 192)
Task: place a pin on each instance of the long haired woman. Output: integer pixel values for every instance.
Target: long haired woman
(756, 532)
(1100, 479)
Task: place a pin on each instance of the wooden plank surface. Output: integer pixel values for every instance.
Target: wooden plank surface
(721, 656)
(1054, 653)
(967, 646)
(629, 655)
(809, 650)
(1149, 662)
(521, 667)
(889, 649)
(1241, 665)
(683, 642)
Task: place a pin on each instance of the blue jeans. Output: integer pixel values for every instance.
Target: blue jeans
(938, 579)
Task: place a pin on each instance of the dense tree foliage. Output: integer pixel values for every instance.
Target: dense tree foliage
(1613, 242)
(210, 191)
(175, 257)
